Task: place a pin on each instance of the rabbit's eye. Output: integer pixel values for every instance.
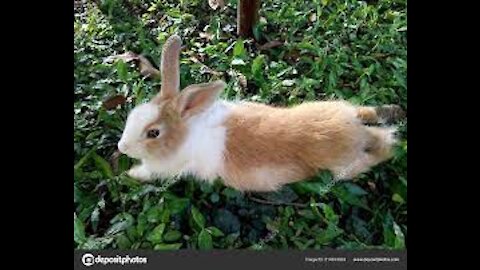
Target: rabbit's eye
(153, 133)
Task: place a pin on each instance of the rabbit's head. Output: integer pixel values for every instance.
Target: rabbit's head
(156, 129)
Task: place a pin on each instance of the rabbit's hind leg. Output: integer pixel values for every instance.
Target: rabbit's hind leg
(381, 114)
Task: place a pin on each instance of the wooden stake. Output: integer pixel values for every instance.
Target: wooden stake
(247, 17)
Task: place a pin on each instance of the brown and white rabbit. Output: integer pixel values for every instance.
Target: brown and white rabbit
(249, 146)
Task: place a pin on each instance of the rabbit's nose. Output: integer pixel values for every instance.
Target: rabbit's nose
(122, 146)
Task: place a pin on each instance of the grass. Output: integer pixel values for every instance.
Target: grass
(349, 49)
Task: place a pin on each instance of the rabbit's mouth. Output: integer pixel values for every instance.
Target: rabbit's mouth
(131, 152)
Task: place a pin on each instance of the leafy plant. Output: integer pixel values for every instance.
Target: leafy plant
(314, 50)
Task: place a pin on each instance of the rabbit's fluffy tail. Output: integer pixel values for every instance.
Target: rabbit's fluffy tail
(380, 143)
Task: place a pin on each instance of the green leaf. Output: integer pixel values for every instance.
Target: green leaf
(397, 198)
(103, 166)
(388, 233)
(122, 71)
(257, 67)
(142, 223)
(328, 235)
(155, 236)
(226, 221)
(284, 195)
(177, 205)
(83, 160)
(308, 214)
(96, 243)
(198, 217)
(214, 198)
(205, 240)
(257, 30)
(132, 233)
(238, 62)
(120, 223)
(314, 207)
(230, 193)
(95, 218)
(167, 246)
(172, 236)
(123, 163)
(329, 214)
(399, 237)
(355, 189)
(154, 214)
(214, 231)
(325, 176)
(78, 231)
(360, 228)
(239, 49)
(122, 241)
(165, 217)
(288, 83)
(350, 195)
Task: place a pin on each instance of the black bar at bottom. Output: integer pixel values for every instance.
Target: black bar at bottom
(240, 259)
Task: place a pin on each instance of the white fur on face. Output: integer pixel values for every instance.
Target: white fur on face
(141, 116)
(202, 152)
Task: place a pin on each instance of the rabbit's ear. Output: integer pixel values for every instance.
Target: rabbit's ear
(170, 67)
(198, 97)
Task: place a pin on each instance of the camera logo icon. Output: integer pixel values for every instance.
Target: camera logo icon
(88, 259)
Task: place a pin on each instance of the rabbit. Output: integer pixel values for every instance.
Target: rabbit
(250, 146)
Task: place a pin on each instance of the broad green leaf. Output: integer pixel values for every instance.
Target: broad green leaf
(119, 226)
(96, 243)
(165, 217)
(388, 233)
(154, 214)
(325, 176)
(177, 205)
(355, 189)
(397, 198)
(284, 195)
(198, 217)
(142, 223)
(78, 231)
(230, 193)
(95, 218)
(226, 221)
(132, 233)
(122, 241)
(172, 236)
(257, 67)
(214, 231)
(103, 166)
(205, 240)
(83, 160)
(329, 214)
(122, 71)
(238, 62)
(328, 235)
(214, 198)
(288, 82)
(155, 236)
(399, 237)
(123, 163)
(308, 214)
(350, 196)
(239, 49)
(168, 246)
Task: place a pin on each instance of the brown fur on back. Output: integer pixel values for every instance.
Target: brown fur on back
(267, 146)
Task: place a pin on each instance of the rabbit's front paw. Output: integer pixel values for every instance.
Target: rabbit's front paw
(140, 173)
